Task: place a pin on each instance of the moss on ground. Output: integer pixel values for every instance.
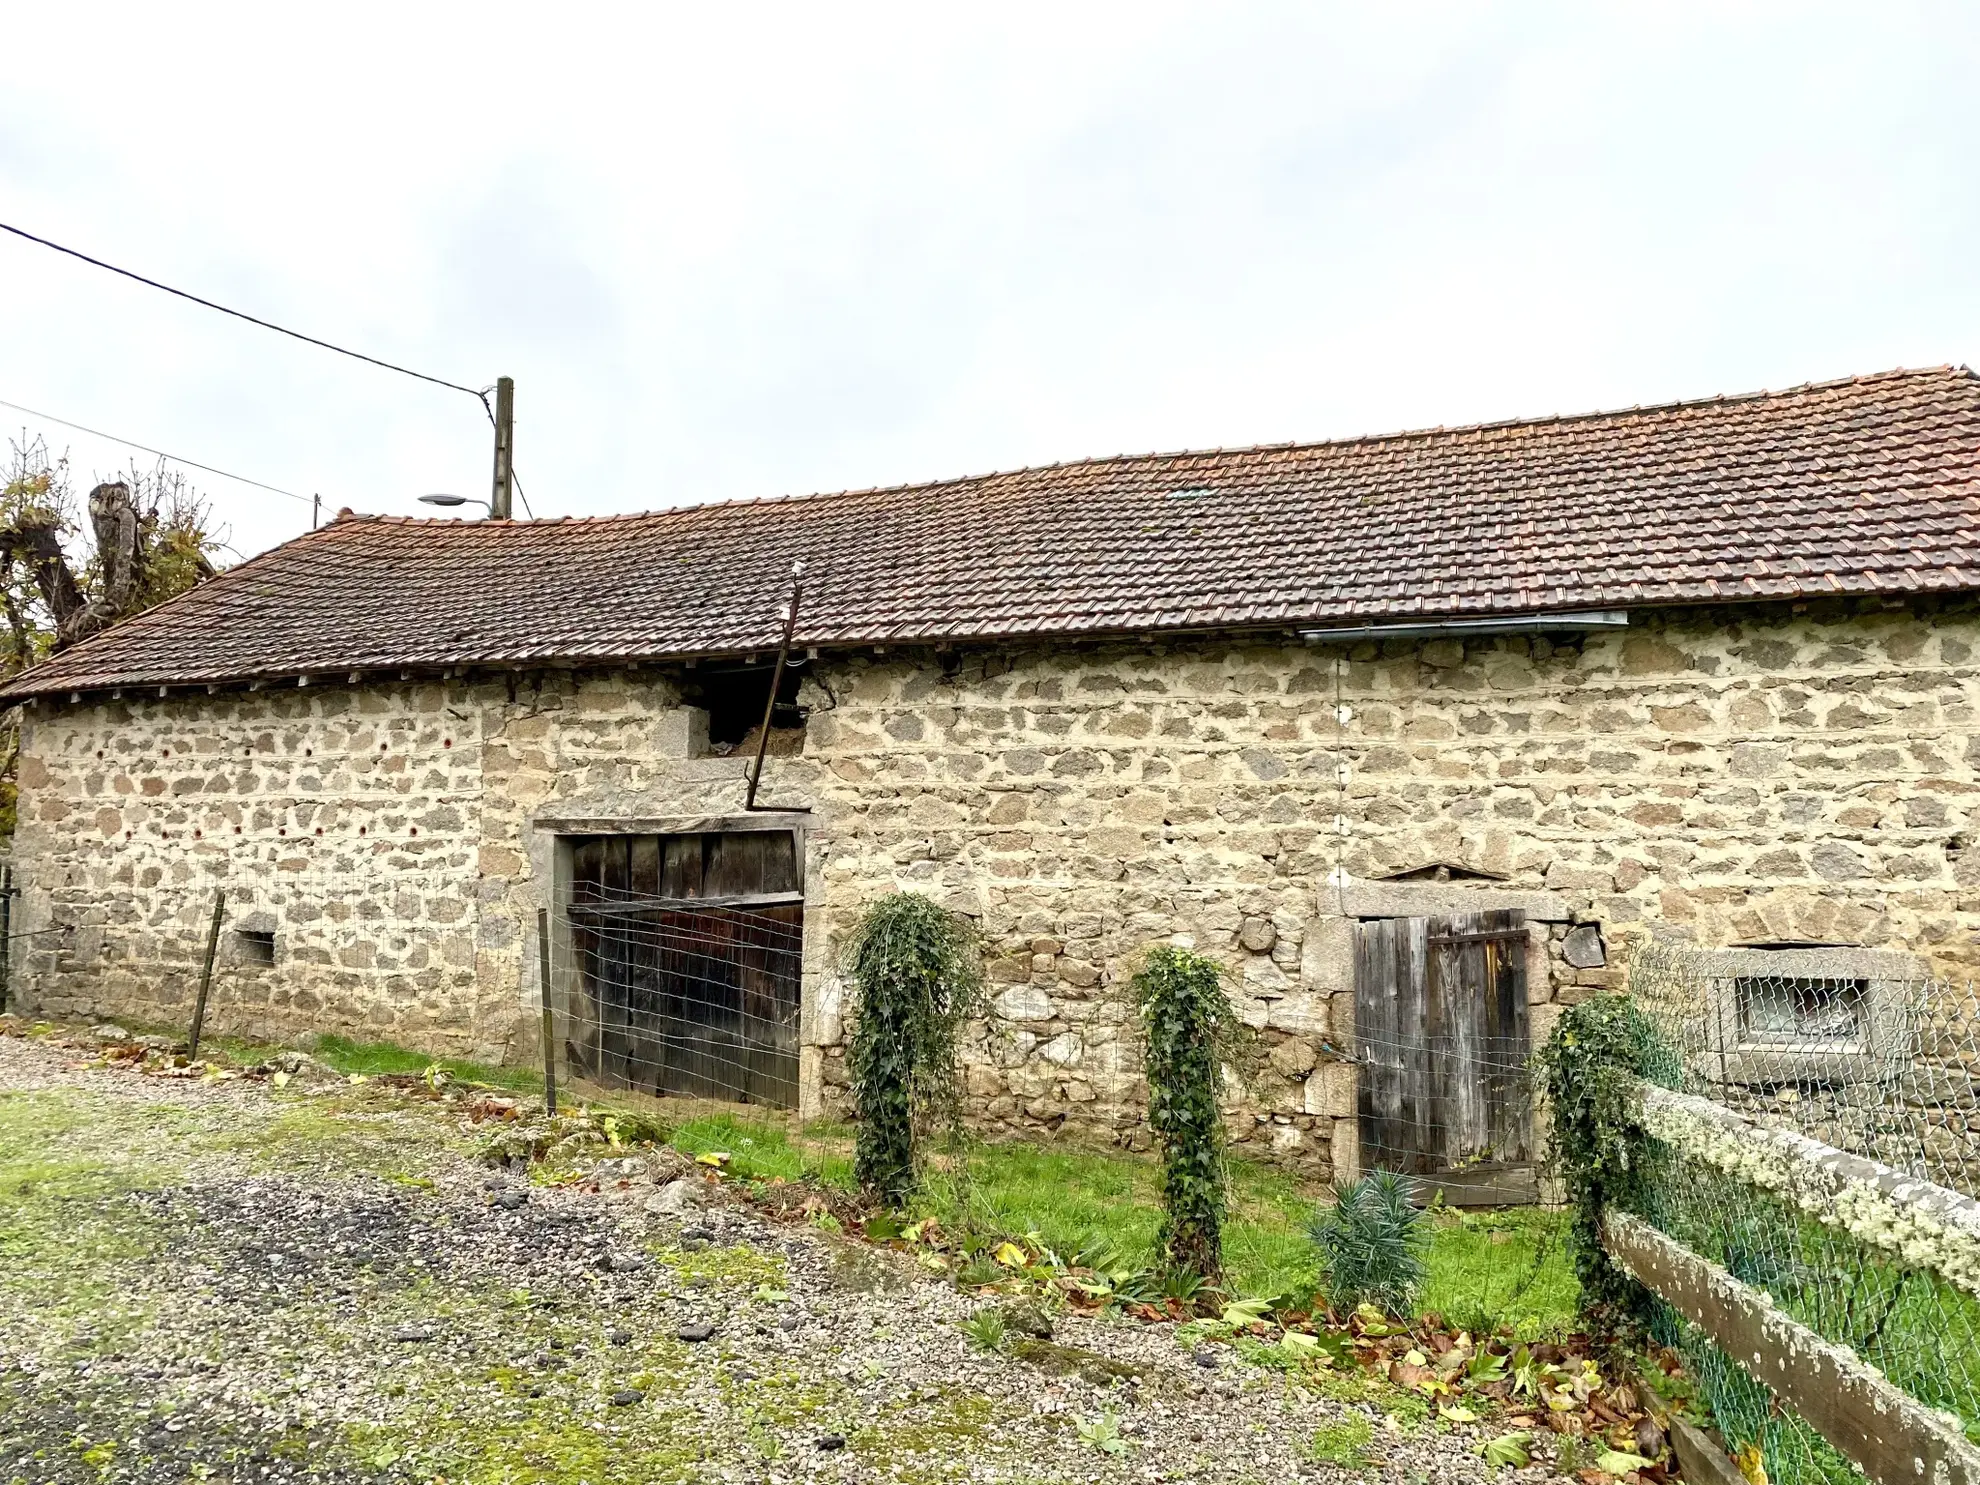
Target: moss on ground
(739, 1267)
(127, 1219)
(71, 1236)
(1485, 1270)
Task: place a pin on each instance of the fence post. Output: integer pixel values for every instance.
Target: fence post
(206, 971)
(549, 1022)
(6, 937)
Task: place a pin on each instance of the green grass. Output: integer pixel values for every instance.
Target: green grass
(382, 1059)
(73, 1247)
(1510, 1269)
(759, 1150)
(344, 1055)
(1344, 1443)
(1486, 1270)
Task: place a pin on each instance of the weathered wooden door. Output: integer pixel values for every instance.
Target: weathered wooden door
(688, 952)
(1442, 1039)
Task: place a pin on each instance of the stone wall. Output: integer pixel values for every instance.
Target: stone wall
(344, 821)
(1774, 774)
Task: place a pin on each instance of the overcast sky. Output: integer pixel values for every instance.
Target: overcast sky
(734, 251)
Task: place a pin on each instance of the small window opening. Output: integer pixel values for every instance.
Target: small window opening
(1801, 1012)
(734, 699)
(256, 946)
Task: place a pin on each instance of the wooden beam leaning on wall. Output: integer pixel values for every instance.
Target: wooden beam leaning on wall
(1889, 1435)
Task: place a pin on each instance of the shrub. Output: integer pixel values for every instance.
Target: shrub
(1588, 1073)
(1191, 1030)
(1371, 1243)
(918, 969)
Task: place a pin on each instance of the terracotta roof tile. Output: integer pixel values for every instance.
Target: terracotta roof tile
(1870, 485)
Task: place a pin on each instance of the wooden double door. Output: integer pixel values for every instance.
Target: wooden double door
(1443, 1042)
(688, 951)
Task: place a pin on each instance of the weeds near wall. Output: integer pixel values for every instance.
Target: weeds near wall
(918, 969)
(1588, 1071)
(1371, 1243)
(1192, 1031)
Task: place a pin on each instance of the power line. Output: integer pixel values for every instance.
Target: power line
(158, 453)
(480, 396)
(251, 319)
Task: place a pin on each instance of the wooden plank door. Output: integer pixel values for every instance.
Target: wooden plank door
(1441, 1023)
(1394, 1098)
(688, 951)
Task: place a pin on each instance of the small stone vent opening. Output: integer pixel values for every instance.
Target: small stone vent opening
(1801, 1016)
(733, 697)
(1439, 871)
(254, 946)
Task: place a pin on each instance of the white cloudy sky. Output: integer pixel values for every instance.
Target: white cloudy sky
(732, 251)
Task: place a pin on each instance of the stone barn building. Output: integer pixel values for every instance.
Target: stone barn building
(1415, 733)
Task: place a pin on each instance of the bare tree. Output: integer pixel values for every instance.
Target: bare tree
(147, 539)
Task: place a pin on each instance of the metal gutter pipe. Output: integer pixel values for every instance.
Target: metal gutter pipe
(1579, 622)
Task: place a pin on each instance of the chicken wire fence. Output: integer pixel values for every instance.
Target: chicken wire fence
(1883, 1068)
(1452, 1109)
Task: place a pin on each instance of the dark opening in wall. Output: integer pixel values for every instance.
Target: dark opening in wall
(1792, 1011)
(254, 946)
(733, 698)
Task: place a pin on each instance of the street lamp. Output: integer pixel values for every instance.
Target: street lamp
(453, 500)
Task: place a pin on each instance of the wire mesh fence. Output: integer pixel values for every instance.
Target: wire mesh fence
(1876, 1065)
(664, 997)
(1453, 1110)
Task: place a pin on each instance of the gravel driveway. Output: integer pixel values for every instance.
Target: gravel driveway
(230, 1282)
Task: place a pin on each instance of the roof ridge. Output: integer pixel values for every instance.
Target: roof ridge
(1947, 370)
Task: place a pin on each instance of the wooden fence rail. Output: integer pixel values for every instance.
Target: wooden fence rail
(1886, 1433)
(1911, 1220)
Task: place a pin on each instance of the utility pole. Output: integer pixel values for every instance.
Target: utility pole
(505, 446)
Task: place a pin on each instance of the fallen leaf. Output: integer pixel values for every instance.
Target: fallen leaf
(1508, 1449)
(1617, 1462)
(1245, 1311)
